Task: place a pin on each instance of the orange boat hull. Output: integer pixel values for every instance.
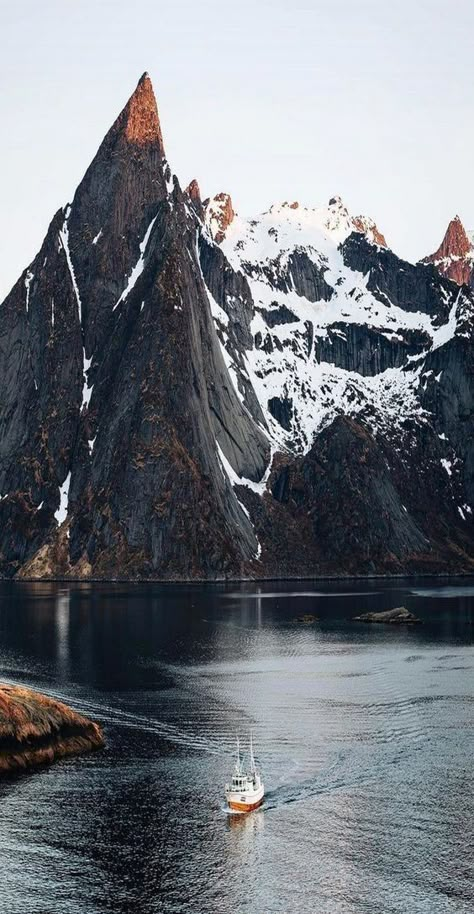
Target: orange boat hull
(244, 807)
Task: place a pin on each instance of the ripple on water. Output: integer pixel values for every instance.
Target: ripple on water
(365, 741)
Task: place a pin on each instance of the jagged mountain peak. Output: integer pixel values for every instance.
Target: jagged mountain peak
(332, 219)
(193, 190)
(368, 227)
(219, 214)
(455, 255)
(138, 124)
(339, 215)
(286, 226)
(456, 241)
(142, 122)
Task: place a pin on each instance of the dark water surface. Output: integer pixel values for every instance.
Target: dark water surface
(364, 734)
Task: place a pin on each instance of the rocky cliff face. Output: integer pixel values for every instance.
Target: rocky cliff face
(455, 255)
(118, 408)
(191, 394)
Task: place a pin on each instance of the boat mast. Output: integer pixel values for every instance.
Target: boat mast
(252, 760)
(237, 762)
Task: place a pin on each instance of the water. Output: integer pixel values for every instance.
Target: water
(365, 736)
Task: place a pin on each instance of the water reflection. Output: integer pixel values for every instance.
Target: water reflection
(62, 605)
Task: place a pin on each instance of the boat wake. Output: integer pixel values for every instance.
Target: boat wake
(351, 767)
(119, 717)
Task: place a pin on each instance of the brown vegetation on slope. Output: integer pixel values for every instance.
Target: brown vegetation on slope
(36, 730)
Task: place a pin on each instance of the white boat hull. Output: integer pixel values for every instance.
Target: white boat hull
(245, 801)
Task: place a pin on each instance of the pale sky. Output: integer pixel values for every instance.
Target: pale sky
(270, 100)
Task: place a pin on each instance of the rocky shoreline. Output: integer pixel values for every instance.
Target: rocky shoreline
(36, 730)
(243, 578)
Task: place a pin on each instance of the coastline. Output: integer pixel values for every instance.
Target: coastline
(243, 580)
(36, 730)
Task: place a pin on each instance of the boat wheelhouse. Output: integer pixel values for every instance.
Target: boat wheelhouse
(246, 789)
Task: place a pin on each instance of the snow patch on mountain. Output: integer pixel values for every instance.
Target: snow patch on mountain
(61, 513)
(28, 278)
(137, 270)
(64, 243)
(86, 388)
(236, 480)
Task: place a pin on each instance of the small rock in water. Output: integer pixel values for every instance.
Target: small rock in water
(306, 619)
(398, 616)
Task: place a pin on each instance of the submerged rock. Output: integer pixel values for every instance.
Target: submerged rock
(398, 616)
(36, 730)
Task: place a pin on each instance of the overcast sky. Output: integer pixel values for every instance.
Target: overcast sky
(269, 99)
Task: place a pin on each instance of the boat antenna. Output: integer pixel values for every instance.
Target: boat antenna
(252, 760)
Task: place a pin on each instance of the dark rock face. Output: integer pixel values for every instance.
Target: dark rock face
(345, 485)
(367, 350)
(359, 511)
(231, 292)
(448, 393)
(307, 278)
(281, 409)
(149, 376)
(296, 272)
(279, 315)
(413, 287)
(158, 425)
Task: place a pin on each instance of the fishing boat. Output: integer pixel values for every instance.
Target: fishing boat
(246, 789)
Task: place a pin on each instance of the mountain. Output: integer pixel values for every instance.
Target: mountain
(455, 255)
(188, 393)
(362, 367)
(116, 396)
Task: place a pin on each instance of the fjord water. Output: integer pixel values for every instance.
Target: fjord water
(364, 734)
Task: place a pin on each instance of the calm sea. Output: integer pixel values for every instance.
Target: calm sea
(364, 735)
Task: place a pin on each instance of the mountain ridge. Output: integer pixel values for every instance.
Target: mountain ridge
(191, 394)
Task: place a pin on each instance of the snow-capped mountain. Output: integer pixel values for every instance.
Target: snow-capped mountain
(325, 340)
(328, 324)
(190, 393)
